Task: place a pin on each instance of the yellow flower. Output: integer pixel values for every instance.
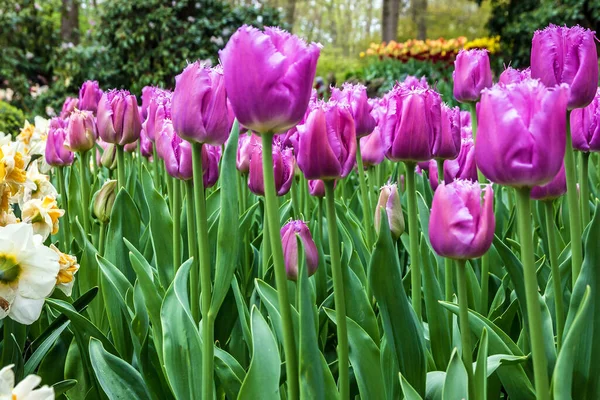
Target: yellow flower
(43, 215)
(66, 274)
(26, 133)
(12, 168)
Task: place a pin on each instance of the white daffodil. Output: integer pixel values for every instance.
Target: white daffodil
(12, 167)
(43, 215)
(41, 185)
(28, 273)
(25, 390)
(66, 273)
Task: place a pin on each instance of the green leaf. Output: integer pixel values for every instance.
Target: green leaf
(118, 379)
(435, 385)
(409, 392)
(37, 356)
(481, 374)
(456, 382)
(124, 224)
(62, 386)
(229, 373)
(262, 379)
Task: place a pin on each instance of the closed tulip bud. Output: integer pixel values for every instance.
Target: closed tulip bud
(104, 201)
(461, 226)
(70, 104)
(289, 241)
(521, 135)
(81, 131)
(159, 110)
(472, 73)
(566, 55)
(372, 148)
(175, 152)
(585, 126)
(356, 96)
(199, 106)
(433, 174)
(281, 68)
(464, 166)
(316, 188)
(511, 75)
(389, 199)
(119, 117)
(553, 190)
(446, 144)
(246, 144)
(56, 153)
(283, 170)
(327, 145)
(412, 122)
(89, 96)
(109, 156)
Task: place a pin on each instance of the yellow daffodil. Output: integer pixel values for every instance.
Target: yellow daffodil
(43, 215)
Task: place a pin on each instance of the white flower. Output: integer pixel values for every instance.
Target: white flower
(68, 269)
(43, 215)
(28, 273)
(25, 390)
(41, 185)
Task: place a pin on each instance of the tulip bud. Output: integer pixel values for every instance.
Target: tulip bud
(389, 199)
(290, 248)
(552, 190)
(199, 110)
(159, 110)
(585, 126)
(472, 73)
(566, 55)
(511, 75)
(81, 131)
(119, 117)
(356, 96)
(89, 96)
(56, 153)
(283, 67)
(446, 144)
(104, 201)
(283, 169)
(109, 156)
(246, 144)
(522, 133)
(460, 226)
(327, 144)
(316, 187)
(70, 104)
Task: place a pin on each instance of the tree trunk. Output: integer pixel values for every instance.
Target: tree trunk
(69, 21)
(389, 25)
(419, 12)
(289, 13)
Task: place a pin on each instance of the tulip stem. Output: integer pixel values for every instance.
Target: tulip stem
(413, 234)
(540, 364)
(102, 239)
(585, 189)
(448, 286)
(85, 191)
(297, 209)
(573, 204)
(66, 227)
(556, 279)
(266, 248)
(155, 167)
(366, 203)
(192, 247)
(463, 320)
(170, 192)
(176, 213)
(289, 347)
(338, 292)
(120, 167)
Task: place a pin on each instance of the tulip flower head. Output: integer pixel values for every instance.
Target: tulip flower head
(159, 110)
(316, 188)
(372, 148)
(472, 73)
(522, 133)
(585, 126)
(283, 169)
(56, 153)
(356, 96)
(289, 241)
(246, 145)
(199, 105)
(461, 226)
(119, 119)
(145, 145)
(89, 96)
(389, 200)
(104, 200)
(412, 81)
(175, 152)
(70, 104)
(81, 131)
(566, 55)
(511, 75)
(462, 167)
(552, 190)
(272, 91)
(446, 145)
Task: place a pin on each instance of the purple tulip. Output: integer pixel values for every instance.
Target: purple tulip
(289, 243)
(446, 144)
(389, 199)
(463, 167)
(145, 145)
(175, 152)
(521, 135)
(585, 126)
(269, 77)
(460, 226)
(119, 117)
(89, 96)
(356, 96)
(413, 82)
(327, 145)
(199, 105)
(246, 145)
(70, 104)
(372, 148)
(148, 93)
(472, 73)
(283, 170)
(81, 131)
(159, 110)
(566, 55)
(465, 119)
(56, 153)
(412, 122)
(511, 75)
(316, 187)
(553, 190)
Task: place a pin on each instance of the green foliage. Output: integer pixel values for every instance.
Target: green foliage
(332, 61)
(11, 119)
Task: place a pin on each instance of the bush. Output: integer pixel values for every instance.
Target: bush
(11, 119)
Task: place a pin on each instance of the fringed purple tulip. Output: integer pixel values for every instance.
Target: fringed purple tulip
(70, 104)
(175, 152)
(389, 199)
(511, 75)
(521, 135)
(464, 166)
(465, 119)
(148, 93)
(327, 146)
(89, 96)
(413, 82)
(119, 117)
(199, 106)
(272, 90)
(567, 55)
(283, 170)
(472, 73)
(553, 190)
(289, 243)
(56, 153)
(446, 144)
(585, 126)
(81, 131)
(356, 96)
(246, 144)
(159, 110)
(460, 226)
(372, 148)
(411, 123)
(145, 145)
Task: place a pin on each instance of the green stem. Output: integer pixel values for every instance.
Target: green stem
(584, 185)
(540, 364)
(366, 203)
(120, 167)
(170, 191)
(94, 161)
(205, 273)
(155, 167)
(463, 320)
(440, 169)
(573, 203)
(295, 201)
(448, 272)
(266, 246)
(176, 213)
(413, 234)
(192, 248)
(66, 227)
(554, 265)
(85, 191)
(321, 275)
(102, 240)
(338, 292)
(289, 347)
(306, 200)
